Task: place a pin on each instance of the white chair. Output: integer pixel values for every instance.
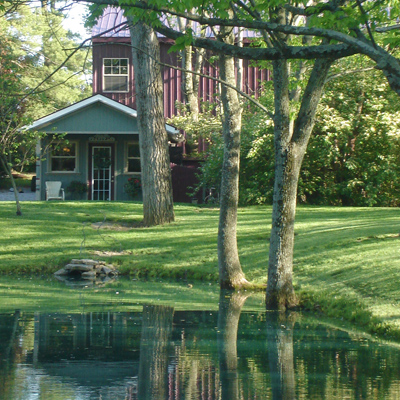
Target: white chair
(54, 191)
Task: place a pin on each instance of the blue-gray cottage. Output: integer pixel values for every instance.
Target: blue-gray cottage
(100, 148)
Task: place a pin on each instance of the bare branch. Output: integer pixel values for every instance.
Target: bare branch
(388, 28)
(349, 72)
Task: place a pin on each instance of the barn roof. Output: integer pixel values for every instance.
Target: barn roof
(114, 17)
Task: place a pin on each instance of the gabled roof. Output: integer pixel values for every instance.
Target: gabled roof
(81, 124)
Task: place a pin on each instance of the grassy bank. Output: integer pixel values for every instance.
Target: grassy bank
(347, 262)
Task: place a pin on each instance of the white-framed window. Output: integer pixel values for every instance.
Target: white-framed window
(133, 157)
(64, 157)
(115, 74)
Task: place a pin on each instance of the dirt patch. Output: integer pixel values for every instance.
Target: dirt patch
(117, 226)
(104, 253)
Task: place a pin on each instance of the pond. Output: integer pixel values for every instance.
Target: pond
(158, 340)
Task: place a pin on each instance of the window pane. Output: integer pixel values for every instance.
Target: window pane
(116, 61)
(124, 71)
(107, 62)
(124, 62)
(133, 150)
(63, 164)
(133, 165)
(115, 70)
(107, 70)
(116, 83)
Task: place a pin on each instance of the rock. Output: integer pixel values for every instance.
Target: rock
(86, 262)
(88, 275)
(107, 271)
(87, 269)
(79, 267)
(61, 272)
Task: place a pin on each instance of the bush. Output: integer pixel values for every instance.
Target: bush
(133, 187)
(77, 189)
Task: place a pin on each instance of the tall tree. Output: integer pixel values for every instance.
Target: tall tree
(39, 40)
(153, 140)
(230, 270)
(37, 57)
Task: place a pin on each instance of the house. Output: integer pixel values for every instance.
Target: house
(100, 148)
(101, 142)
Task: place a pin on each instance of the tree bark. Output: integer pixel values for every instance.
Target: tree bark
(153, 141)
(291, 139)
(230, 270)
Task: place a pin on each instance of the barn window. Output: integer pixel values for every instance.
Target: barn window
(115, 74)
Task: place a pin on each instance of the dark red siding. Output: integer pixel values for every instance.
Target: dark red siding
(208, 88)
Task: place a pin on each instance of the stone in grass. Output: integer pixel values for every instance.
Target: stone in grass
(88, 275)
(88, 262)
(88, 269)
(79, 267)
(62, 272)
(108, 270)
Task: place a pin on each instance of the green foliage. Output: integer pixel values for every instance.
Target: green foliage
(42, 45)
(207, 128)
(353, 156)
(33, 45)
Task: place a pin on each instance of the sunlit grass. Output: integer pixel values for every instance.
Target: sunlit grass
(346, 260)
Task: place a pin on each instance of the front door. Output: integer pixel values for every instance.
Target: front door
(101, 172)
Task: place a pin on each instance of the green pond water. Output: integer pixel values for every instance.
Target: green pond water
(127, 340)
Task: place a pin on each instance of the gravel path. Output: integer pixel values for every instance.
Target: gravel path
(6, 195)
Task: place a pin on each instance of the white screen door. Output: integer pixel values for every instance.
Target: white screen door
(102, 173)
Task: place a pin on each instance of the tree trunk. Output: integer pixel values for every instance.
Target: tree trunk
(154, 155)
(230, 270)
(191, 96)
(291, 139)
(7, 169)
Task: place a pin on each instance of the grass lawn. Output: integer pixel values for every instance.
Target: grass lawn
(347, 261)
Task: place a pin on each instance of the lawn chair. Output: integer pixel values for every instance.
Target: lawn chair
(54, 191)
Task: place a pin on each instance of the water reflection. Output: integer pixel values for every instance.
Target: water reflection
(230, 306)
(161, 353)
(280, 351)
(153, 369)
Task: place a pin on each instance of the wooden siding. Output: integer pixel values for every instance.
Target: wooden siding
(208, 88)
(94, 119)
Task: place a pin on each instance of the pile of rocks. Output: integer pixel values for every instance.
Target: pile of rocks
(87, 269)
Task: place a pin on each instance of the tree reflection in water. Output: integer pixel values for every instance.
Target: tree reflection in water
(280, 354)
(153, 367)
(230, 306)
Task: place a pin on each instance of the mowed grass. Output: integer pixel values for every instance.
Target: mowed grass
(346, 264)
